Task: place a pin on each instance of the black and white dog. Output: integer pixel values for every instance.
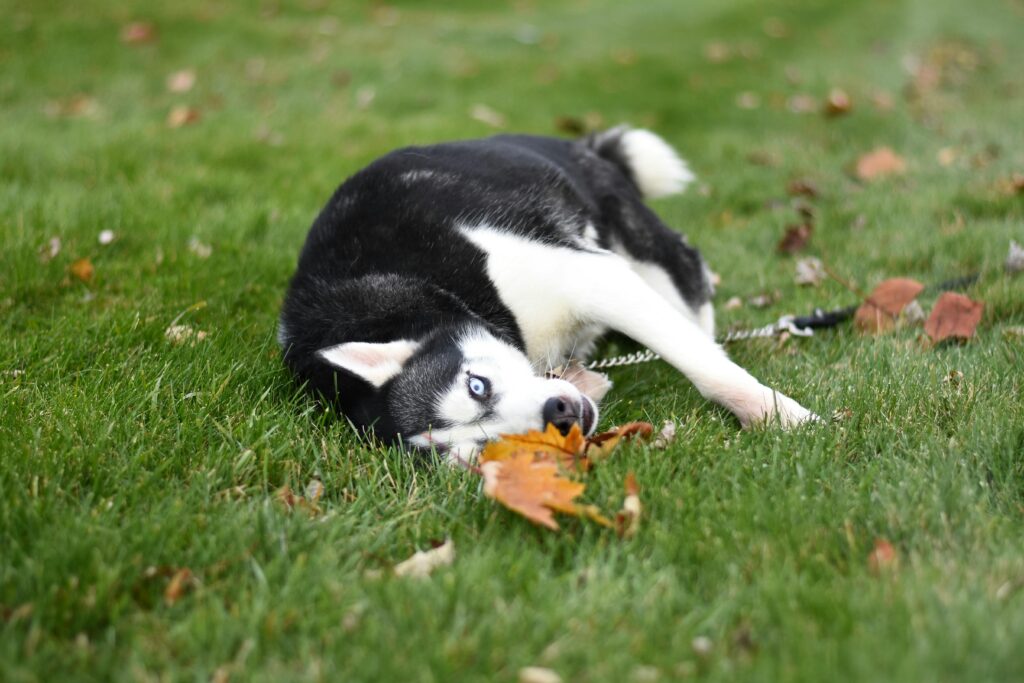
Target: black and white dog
(440, 283)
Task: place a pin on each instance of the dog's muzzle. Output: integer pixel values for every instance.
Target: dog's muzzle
(564, 412)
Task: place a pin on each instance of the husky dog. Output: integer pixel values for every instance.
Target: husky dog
(440, 283)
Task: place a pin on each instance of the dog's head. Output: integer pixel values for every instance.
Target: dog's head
(453, 392)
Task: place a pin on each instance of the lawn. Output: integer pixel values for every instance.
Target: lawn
(129, 457)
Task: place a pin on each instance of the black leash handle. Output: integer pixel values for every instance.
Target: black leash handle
(820, 319)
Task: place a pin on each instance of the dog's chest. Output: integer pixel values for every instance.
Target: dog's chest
(545, 287)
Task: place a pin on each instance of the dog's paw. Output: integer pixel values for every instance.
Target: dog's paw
(774, 408)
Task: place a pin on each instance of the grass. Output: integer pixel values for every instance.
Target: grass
(125, 457)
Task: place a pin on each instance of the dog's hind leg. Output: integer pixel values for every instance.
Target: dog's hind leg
(619, 297)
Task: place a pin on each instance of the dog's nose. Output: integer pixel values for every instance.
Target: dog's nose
(561, 412)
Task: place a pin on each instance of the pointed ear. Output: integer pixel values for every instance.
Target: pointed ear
(592, 384)
(376, 363)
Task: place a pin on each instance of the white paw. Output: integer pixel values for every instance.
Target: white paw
(773, 408)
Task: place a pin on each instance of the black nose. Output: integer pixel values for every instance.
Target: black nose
(561, 412)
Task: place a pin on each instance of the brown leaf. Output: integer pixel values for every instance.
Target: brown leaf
(291, 501)
(547, 446)
(628, 519)
(954, 316)
(181, 81)
(138, 33)
(530, 487)
(885, 303)
(571, 125)
(423, 562)
(802, 187)
(82, 269)
(796, 238)
(600, 446)
(179, 583)
(810, 271)
(182, 115)
(837, 103)
(879, 163)
(883, 557)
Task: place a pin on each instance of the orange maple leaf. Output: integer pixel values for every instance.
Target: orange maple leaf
(546, 446)
(533, 488)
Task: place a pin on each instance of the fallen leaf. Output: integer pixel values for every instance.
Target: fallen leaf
(810, 271)
(182, 115)
(106, 237)
(733, 303)
(291, 501)
(600, 446)
(179, 583)
(795, 238)
(547, 446)
(181, 81)
(82, 269)
(628, 519)
(49, 251)
(538, 674)
(424, 562)
(138, 33)
(1014, 259)
(883, 557)
(954, 317)
(314, 490)
(802, 187)
(763, 300)
(837, 103)
(885, 303)
(484, 114)
(533, 488)
(665, 436)
(879, 163)
(571, 125)
(198, 248)
(179, 334)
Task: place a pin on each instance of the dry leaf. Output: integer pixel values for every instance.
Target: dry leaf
(733, 303)
(837, 103)
(796, 238)
(883, 557)
(138, 33)
(530, 487)
(484, 114)
(82, 269)
(802, 187)
(423, 562)
(570, 125)
(810, 271)
(879, 163)
(885, 303)
(538, 674)
(600, 446)
(547, 446)
(182, 115)
(198, 248)
(50, 250)
(181, 81)
(179, 583)
(628, 519)
(291, 501)
(179, 334)
(954, 316)
(666, 436)
(1014, 260)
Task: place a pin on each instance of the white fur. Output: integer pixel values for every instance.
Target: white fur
(657, 168)
(556, 293)
(376, 363)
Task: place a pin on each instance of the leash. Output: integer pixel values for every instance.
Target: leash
(802, 326)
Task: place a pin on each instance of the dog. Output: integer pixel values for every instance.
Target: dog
(440, 283)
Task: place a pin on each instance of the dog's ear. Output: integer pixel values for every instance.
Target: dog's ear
(592, 384)
(374, 362)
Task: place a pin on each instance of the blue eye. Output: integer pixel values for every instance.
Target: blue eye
(479, 387)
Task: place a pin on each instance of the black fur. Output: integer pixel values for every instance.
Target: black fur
(385, 260)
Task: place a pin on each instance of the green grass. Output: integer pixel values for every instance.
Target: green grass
(120, 451)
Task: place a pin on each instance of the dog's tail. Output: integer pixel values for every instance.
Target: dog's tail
(646, 159)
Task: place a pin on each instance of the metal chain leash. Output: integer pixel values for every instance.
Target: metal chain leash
(784, 324)
(800, 327)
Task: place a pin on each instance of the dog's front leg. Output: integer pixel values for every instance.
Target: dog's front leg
(617, 297)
